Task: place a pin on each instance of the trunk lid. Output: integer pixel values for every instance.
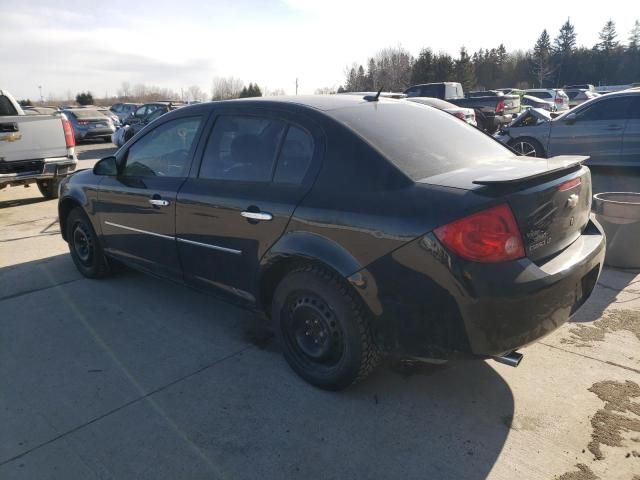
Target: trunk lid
(550, 198)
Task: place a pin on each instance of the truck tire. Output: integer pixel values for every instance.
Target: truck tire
(323, 328)
(84, 245)
(49, 188)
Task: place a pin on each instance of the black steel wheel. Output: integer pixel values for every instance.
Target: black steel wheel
(323, 328)
(84, 245)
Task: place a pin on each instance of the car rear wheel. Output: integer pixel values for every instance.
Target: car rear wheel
(84, 245)
(49, 188)
(527, 147)
(323, 329)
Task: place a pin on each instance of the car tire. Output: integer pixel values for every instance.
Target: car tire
(527, 146)
(323, 328)
(84, 245)
(49, 188)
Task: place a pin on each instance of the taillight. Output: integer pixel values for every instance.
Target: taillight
(570, 184)
(460, 115)
(489, 236)
(500, 106)
(559, 99)
(69, 137)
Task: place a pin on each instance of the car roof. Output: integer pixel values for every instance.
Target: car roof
(317, 102)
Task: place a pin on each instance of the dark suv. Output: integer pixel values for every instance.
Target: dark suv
(360, 226)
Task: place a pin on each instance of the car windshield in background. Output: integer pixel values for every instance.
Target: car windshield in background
(85, 113)
(420, 141)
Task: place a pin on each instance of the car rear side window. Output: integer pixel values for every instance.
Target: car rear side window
(609, 109)
(242, 148)
(295, 156)
(420, 141)
(540, 94)
(165, 151)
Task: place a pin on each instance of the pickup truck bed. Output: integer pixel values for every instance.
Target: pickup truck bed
(34, 148)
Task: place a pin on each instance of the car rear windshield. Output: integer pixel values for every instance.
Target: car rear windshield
(86, 114)
(420, 140)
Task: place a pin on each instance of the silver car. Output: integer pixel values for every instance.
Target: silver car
(605, 128)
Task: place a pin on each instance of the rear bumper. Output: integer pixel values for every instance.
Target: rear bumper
(94, 133)
(37, 170)
(426, 303)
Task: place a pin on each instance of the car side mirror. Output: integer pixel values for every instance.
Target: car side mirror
(108, 166)
(571, 118)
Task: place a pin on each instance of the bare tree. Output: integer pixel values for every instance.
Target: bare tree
(224, 88)
(196, 94)
(124, 92)
(325, 91)
(273, 93)
(393, 69)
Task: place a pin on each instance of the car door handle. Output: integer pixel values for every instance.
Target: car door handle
(157, 202)
(257, 215)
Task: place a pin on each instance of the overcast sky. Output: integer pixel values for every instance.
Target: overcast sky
(80, 45)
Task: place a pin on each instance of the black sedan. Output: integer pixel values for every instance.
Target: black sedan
(361, 227)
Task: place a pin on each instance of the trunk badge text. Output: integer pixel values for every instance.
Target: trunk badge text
(572, 201)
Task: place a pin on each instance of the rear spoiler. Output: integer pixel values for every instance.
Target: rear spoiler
(514, 175)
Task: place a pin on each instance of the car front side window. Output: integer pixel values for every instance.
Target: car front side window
(606, 110)
(164, 151)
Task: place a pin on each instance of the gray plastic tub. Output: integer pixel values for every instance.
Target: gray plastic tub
(619, 215)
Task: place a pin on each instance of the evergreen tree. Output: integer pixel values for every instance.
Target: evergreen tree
(634, 37)
(565, 42)
(84, 98)
(244, 93)
(422, 70)
(608, 36)
(541, 58)
(464, 70)
(25, 103)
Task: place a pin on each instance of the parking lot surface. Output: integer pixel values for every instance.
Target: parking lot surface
(134, 377)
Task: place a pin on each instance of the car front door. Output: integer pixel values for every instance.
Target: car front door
(136, 208)
(631, 138)
(595, 130)
(255, 169)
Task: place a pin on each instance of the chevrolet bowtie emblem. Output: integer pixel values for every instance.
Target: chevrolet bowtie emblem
(11, 137)
(572, 201)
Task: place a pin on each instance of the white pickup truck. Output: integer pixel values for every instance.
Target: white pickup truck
(34, 148)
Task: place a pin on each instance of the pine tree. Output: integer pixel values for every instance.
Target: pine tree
(422, 70)
(244, 93)
(608, 36)
(634, 37)
(565, 42)
(541, 58)
(464, 70)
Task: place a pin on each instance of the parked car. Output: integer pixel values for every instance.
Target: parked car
(143, 111)
(578, 96)
(529, 101)
(606, 128)
(582, 86)
(124, 110)
(126, 133)
(34, 148)
(466, 114)
(90, 124)
(490, 107)
(109, 114)
(361, 227)
(555, 95)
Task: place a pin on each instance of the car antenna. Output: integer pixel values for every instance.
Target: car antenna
(373, 98)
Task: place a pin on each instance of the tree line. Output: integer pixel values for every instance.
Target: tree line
(550, 63)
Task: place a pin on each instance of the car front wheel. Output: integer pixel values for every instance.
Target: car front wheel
(84, 245)
(323, 329)
(527, 147)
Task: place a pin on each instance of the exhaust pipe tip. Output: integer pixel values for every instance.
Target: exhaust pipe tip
(512, 359)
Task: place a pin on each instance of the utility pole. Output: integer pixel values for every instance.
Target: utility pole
(41, 97)
(296, 85)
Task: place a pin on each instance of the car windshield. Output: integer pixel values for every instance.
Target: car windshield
(420, 141)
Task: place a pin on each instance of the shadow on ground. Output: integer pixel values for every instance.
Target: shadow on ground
(141, 375)
(98, 153)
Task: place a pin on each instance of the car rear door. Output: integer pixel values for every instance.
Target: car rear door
(256, 167)
(136, 208)
(631, 138)
(595, 130)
